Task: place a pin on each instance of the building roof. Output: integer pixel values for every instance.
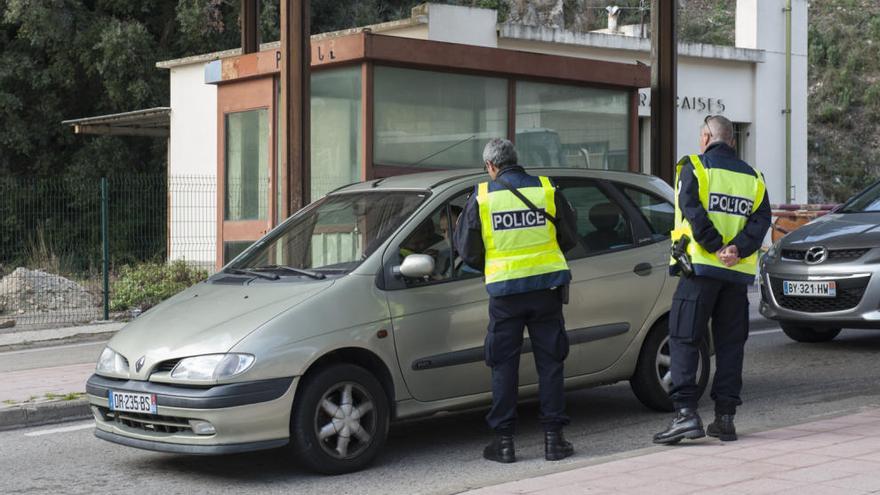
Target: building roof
(146, 122)
(622, 42)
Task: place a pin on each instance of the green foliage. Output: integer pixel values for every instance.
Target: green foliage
(148, 284)
(844, 97)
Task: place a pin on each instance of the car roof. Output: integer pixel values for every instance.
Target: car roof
(443, 179)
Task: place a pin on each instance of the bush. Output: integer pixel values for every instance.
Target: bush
(145, 285)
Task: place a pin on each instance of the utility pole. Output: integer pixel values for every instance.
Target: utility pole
(664, 65)
(250, 26)
(294, 104)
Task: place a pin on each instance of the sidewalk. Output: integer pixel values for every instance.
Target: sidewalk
(833, 456)
(32, 397)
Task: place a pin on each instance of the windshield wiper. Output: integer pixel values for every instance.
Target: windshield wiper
(240, 271)
(298, 271)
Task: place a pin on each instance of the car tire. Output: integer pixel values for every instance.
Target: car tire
(340, 419)
(807, 334)
(651, 380)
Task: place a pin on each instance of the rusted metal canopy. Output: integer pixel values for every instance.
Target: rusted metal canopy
(147, 122)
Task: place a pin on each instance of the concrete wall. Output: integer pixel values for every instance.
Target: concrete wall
(761, 24)
(192, 166)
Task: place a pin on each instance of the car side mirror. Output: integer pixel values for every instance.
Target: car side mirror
(415, 266)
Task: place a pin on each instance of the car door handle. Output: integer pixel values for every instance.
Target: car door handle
(642, 269)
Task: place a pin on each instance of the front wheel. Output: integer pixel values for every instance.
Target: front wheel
(807, 334)
(653, 377)
(340, 419)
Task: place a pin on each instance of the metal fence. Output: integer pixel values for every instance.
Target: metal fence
(51, 239)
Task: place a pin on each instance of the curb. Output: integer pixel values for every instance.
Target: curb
(44, 413)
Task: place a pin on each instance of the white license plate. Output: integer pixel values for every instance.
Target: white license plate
(809, 289)
(132, 402)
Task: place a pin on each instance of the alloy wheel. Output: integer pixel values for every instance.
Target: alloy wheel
(345, 421)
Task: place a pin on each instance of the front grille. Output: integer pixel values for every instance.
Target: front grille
(845, 254)
(147, 422)
(849, 294)
(166, 366)
(794, 254)
(834, 255)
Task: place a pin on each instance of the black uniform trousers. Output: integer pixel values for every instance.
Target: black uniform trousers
(696, 301)
(541, 312)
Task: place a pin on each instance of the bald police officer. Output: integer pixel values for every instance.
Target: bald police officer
(516, 228)
(722, 214)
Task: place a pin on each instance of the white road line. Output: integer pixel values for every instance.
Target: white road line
(765, 332)
(63, 429)
(52, 348)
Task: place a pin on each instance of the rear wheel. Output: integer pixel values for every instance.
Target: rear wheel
(808, 334)
(653, 378)
(340, 419)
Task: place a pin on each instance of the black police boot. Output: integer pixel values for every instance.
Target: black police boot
(501, 449)
(722, 428)
(685, 424)
(556, 447)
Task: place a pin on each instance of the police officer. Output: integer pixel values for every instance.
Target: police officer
(519, 247)
(722, 209)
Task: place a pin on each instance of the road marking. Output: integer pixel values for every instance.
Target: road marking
(63, 429)
(765, 332)
(52, 348)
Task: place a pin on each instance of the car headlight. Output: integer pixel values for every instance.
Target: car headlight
(773, 252)
(111, 362)
(212, 366)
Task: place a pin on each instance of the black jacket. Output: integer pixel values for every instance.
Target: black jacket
(749, 240)
(468, 235)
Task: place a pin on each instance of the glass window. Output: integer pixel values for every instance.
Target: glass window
(434, 119)
(231, 249)
(434, 237)
(247, 165)
(601, 223)
(336, 129)
(866, 201)
(659, 213)
(336, 234)
(572, 126)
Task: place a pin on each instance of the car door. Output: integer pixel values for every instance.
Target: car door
(440, 322)
(616, 278)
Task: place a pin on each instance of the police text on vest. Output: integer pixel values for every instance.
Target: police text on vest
(521, 219)
(732, 205)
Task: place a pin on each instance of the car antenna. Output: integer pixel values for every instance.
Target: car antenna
(453, 145)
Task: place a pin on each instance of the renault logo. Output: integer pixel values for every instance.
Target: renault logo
(815, 255)
(139, 364)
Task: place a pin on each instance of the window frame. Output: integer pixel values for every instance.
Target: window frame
(386, 280)
(647, 234)
(637, 224)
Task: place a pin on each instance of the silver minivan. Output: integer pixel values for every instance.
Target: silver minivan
(356, 312)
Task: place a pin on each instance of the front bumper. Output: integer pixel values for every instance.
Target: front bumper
(246, 416)
(857, 304)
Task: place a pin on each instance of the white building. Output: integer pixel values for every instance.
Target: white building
(214, 97)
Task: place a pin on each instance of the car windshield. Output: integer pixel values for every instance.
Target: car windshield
(866, 201)
(334, 236)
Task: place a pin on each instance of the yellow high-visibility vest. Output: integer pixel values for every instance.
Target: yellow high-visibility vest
(522, 253)
(729, 198)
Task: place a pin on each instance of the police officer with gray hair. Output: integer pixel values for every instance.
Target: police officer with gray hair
(722, 214)
(516, 228)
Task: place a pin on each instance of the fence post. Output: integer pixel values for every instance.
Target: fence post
(105, 263)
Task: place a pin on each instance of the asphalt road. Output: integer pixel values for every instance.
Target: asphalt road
(785, 383)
